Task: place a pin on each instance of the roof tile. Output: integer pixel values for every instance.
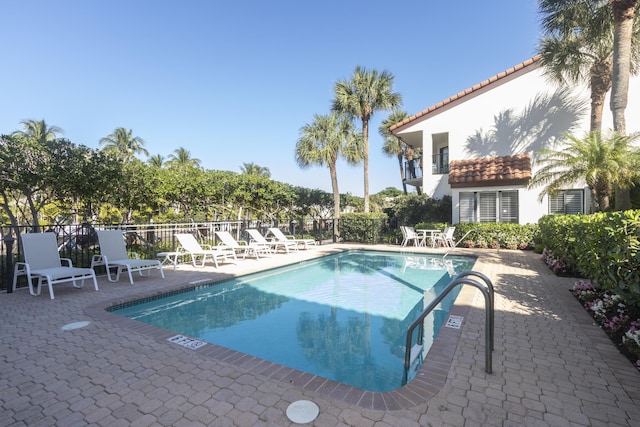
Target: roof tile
(505, 170)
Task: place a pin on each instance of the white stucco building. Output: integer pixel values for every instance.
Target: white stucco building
(479, 145)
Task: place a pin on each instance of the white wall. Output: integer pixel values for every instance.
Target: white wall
(513, 96)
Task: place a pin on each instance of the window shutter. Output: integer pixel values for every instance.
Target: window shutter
(573, 202)
(556, 203)
(488, 207)
(509, 206)
(467, 207)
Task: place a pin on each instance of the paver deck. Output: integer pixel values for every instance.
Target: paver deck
(552, 366)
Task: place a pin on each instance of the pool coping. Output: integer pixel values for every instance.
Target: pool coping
(429, 379)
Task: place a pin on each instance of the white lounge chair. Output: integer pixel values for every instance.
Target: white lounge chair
(273, 244)
(113, 254)
(281, 237)
(42, 261)
(191, 247)
(252, 248)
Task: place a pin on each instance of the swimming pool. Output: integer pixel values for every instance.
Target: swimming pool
(343, 317)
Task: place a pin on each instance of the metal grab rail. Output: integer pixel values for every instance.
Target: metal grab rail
(460, 240)
(461, 279)
(489, 285)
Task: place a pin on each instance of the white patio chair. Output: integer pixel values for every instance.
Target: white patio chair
(252, 248)
(281, 237)
(42, 261)
(113, 254)
(409, 234)
(273, 244)
(191, 247)
(446, 238)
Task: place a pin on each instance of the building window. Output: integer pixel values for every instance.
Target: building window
(467, 207)
(567, 202)
(489, 206)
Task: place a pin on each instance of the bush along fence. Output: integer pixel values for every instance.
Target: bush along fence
(371, 228)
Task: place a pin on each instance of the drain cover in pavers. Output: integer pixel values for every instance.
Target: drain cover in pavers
(302, 411)
(75, 325)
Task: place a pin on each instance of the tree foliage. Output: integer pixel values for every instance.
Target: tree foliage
(601, 162)
(34, 173)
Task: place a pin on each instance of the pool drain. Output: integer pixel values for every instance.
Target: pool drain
(75, 325)
(302, 411)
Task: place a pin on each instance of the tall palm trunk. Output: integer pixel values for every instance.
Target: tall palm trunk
(365, 161)
(336, 201)
(623, 17)
(600, 78)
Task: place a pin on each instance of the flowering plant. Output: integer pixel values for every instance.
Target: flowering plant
(557, 265)
(613, 315)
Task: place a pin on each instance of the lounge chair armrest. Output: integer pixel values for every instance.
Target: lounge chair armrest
(21, 268)
(97, 260)
(67, 261)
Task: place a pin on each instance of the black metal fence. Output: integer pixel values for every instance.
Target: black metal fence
(79, 242)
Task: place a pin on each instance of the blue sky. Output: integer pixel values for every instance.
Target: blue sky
(233, 82)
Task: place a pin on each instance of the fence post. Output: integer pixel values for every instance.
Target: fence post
(8, 244)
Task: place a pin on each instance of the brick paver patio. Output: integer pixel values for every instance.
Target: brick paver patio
(552, 366)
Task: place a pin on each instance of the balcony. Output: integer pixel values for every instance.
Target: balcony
(413, 171)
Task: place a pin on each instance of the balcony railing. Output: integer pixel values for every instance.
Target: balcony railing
(439, 166)
(412, 170)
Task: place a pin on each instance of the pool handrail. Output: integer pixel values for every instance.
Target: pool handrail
(460, 279)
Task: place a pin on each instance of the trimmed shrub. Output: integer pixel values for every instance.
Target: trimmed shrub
(604, 247)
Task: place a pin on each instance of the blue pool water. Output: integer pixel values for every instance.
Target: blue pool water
(343, 317)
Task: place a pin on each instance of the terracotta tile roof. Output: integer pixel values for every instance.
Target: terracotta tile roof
(471, 90)
(507, 170)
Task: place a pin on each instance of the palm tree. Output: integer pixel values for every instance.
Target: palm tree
(625, 56)
(394, 146)
(321, 143)
(578, 47)
(39, 130)
(600, 162)
(156, 161)
(182, 157)
(361, 96)
(253, 169)
(123, 144)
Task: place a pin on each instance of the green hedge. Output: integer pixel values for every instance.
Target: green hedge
(604, 247)
(490, 235)
(363, 227)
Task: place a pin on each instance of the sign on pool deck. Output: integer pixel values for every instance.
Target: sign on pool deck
(187, 342)
(454, 322)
